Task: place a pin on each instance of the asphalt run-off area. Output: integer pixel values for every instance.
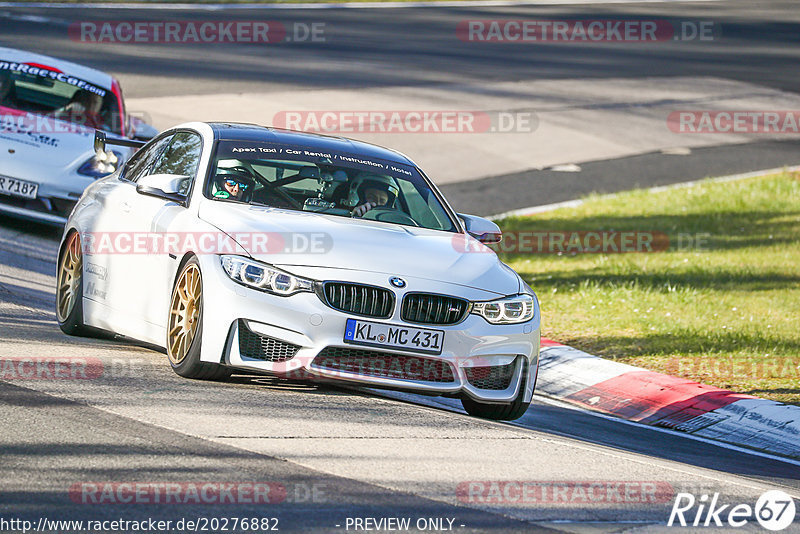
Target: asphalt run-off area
(506, 106)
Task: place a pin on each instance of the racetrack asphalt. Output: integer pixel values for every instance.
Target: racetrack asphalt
(499, 194)
(370, 453)
(375, 454)
(602, 106)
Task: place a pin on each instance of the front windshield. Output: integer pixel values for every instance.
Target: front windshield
(338, 184)
(58, 95)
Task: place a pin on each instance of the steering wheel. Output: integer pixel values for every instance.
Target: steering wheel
(391, 215)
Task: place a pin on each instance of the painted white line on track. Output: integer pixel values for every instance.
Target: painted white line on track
(28, 18)
(21, 17)
(565, 441)
(441, 402)
(591, 522)
(335, 5)
(580, 443)
(564, 404)
(523, 212)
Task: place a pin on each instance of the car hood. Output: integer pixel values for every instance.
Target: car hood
(46, 142)
(304, 243)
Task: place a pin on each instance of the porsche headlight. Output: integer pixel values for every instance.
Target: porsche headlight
(264, 277)
(508, 310)
(101, 164)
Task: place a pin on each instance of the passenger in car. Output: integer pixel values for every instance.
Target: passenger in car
(83, 108)
(8, 94)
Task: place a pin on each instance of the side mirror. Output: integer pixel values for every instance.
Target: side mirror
(481, 229)
(141, 130)
(167, 186)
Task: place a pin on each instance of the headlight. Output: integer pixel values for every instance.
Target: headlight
(101, 164)
(508, 310)
(264, 277)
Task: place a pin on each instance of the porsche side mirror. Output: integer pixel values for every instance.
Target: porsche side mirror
(481, 229)
(140, 130)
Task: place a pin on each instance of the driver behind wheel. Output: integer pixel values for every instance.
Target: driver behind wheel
(8, 94)
(232, 184)
(369, 191)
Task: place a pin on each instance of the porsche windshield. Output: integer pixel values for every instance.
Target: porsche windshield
(52, 93)
(346, 185)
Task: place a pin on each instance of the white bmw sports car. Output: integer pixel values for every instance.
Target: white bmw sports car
(236, 246)
(49, 110)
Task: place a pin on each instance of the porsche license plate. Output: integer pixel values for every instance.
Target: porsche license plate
(18, 188)
(393, 336)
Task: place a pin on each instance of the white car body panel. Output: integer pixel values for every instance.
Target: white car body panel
(355, 239)
(129, 294)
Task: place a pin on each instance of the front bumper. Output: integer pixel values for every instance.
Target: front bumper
(35, 210)
(53, 203)
(302, 336)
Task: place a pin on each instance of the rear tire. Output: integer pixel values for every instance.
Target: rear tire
(185, 327)
(500, 412)
(69, 288)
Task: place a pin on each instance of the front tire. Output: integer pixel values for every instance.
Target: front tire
(69, 288)
(185, 327)
(500, 412)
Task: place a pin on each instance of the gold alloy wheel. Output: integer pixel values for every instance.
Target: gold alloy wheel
(69, 277)
(184, 313)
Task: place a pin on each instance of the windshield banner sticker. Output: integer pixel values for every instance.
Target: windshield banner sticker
(331, 158)
(57, 75)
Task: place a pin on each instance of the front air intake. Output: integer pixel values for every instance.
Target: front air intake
(494, 377)
(260, 347)
(384, 365)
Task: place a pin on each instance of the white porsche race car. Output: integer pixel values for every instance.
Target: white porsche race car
(49, 110)
(270, 251)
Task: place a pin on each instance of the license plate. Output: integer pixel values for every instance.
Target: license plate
(18, 188)
(394, 336)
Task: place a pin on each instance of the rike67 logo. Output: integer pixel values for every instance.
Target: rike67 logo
(774, 510)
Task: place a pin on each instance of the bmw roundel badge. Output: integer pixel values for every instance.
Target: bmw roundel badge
(397, 282)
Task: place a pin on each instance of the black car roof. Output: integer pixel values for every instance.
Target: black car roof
(226, 131)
